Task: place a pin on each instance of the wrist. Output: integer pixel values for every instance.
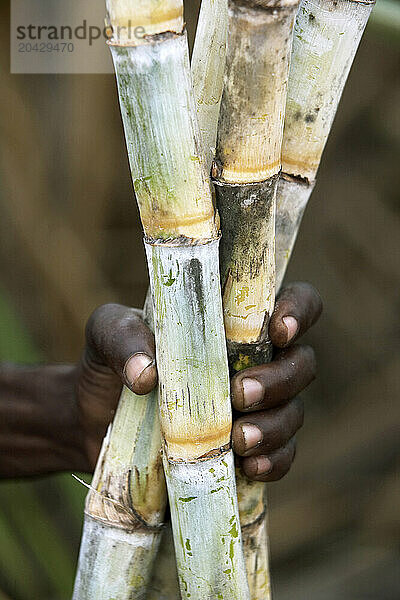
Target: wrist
(39, 420)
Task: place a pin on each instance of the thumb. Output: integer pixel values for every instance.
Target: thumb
(116, 337)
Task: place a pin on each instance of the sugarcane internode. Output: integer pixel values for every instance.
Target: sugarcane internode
(326, 37)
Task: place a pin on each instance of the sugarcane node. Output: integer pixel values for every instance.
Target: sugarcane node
(268, 6)
(151, 38)
(134, 21)
(118, 509)
(301, 170)
(211, 454)
(133, 523)
(243, 356)
(255, 523)
(198, 440)
(296, 179)
(182, 241)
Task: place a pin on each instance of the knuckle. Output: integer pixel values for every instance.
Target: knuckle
(99, 316)
(129, 323)
(237, 439)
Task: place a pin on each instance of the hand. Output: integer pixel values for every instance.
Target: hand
(121, 347)
(54, 417)
(268, 394)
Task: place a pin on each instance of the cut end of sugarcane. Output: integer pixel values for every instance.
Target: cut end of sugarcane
(133, 21)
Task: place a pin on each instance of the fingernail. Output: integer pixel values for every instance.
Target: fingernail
(262, 465)
(291, 326)
(252, 436)
(253, 392)
(135, 366)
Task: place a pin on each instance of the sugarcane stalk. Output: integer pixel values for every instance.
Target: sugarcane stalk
(182, 240)
(326, 37)
(208, 67)
(246, 172)
(126, 503)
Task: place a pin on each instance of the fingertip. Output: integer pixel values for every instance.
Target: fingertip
(140, 373)
(292, 327)
(300, 302)
(237, 392)
(247, 392)
(257, 466)
(147, 381)
(246, 437)
(283, 327)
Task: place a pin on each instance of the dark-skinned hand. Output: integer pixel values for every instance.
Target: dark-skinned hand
(54, 417)
(268, 410)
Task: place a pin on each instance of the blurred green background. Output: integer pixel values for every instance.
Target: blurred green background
(70, 240)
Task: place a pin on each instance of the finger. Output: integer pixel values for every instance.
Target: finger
(269, 385)
(272, 467)
(118, 338)
(298, 306)
(263, 432)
